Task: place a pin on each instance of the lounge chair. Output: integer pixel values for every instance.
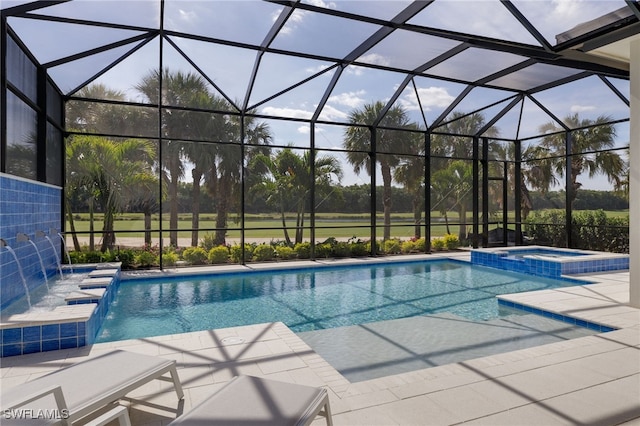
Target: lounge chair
(90, 386)
(248, 400)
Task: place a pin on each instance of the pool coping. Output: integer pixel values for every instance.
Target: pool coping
(595, 378)
(593, 375)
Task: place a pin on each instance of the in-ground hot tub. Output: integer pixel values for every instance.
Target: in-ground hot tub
(549, 261)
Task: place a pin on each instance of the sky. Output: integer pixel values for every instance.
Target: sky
(249, 22)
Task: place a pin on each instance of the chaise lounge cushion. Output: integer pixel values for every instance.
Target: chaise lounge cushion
(96, 382)
(248, 400)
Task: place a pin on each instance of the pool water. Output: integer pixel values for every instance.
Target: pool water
(544, 252)
(312, 299)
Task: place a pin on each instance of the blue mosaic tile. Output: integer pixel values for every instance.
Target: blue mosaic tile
(69, 343)
(11, 350)
(50, 345)
(51, 331)
(11, 336)
(31, 334)
(69, 329)
(31, 348)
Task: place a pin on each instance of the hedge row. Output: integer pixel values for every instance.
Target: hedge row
(590, 230)
(206, 253)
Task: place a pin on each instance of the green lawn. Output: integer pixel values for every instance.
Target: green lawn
(268, 226)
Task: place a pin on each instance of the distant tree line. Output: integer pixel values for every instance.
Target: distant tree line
(357, 199)
(586, 199)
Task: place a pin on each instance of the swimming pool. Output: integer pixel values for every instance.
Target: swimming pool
(312, 299)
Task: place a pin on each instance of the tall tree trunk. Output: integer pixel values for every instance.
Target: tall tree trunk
(417, 218)
(222, 210)
(173, 209)
(386, 199)
(196, 174)
(147, 226)
(72, 225)
(446, 222)
(300, 225)
(92, 246)
(462, 232)
(284, 223)
(108, 236)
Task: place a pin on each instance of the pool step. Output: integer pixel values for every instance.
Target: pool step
(532, 324)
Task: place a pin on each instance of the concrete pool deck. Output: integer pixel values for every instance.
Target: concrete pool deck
(589, 380)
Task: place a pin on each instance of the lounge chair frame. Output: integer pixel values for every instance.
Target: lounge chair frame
(93, 384)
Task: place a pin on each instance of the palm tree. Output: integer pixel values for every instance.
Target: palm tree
(291, 180)
(224, 177)
(452, 186)
(202, 155)
(410, 173)
(452, 149)
(588, 151)
(357, 140)
(108, 169)
(178, 90)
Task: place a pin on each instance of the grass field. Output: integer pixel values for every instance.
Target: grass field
(268, 226)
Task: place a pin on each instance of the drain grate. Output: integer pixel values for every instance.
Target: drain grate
(232, 340)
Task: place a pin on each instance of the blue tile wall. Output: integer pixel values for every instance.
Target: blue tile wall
(557, 317)
(27, 206)
(547, 268)
(65, 335)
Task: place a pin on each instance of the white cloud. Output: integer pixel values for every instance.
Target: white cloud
(582, 108)
(298, 16)
(287, 112)
(330, 113)
(350, 99)
(188, 16)
(375, 58)
(304, 130)
(429, 97)
(321, 3)
(355, 70)
(314, 70)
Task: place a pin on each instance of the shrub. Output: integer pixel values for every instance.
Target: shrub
(323, 250)
(379, 247)
(451, 241)
(358, 248)
(421, 244)
(263, 252)
(195, 255)
(591, 230)
(392, 246)
(145, 259)
(126, 256)
(236, 253)
(285, 252)
(437, 244)
(341, 249)
(303, 250)
(408, 246)
(169, 259)
(76, 257)
(219, 254)
(207, 242)
(93, 257)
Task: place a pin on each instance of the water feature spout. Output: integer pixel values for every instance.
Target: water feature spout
(55, 252)
(25, 237)
(4, 244)
(64, 244)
